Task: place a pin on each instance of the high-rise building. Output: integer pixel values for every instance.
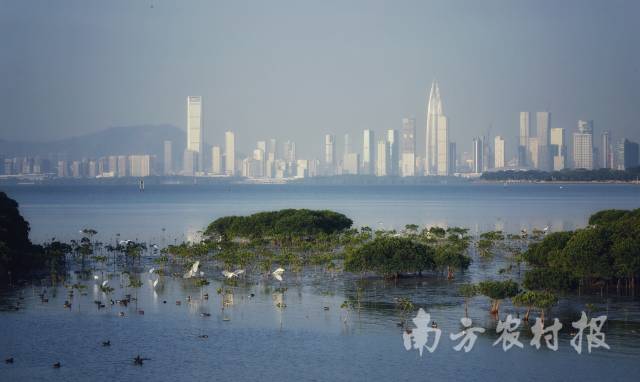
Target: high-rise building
(168, 158)
(626, 155)
(525, 134)
(607, 152)
(140, 165)
(433, 129)
(351, 164)
(583, 145)
(543, 124)
(189, 160)
(499, 152)
(558, 149)
(453, 168)
(329, 154)
(123, 166)
(368, 152)
(195, 129)
(393, 154)
(533, 157)
(230, 153)
(216, 160)
(272, 154)
(382, 163)
(442, 146)
(408, 147)
(478, 155)
(289, 152)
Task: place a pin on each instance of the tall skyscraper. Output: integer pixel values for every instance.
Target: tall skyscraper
(216, 160)
(329, 153)
(534, 153)
(168, 158)
(393, 154)
(368, 152)
(558, 149)
(230, 153)
(123, 168)
(626, 155)
(290, 152)
(382, 162)
(525, 134)
(434, 114)
(408, 147)
(607, 150)
(478, 155)
(272, 154)
(442, 146)
(499, 152)
(195, 129)
(543, 124)
(583, 145)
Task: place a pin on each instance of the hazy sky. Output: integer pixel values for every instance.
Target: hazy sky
(300, 69)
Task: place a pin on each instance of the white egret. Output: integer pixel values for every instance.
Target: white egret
(151, 270)
(155, 283)
(277, 274)
(193, 271)
(233, 274)
(105, 283)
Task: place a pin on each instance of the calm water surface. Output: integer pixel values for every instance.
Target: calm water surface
(253, 339)
(183, 210)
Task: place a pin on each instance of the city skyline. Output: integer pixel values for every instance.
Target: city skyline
(263, 77)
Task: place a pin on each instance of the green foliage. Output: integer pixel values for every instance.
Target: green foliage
(284, 223)
(549, 279)
(498, 290)
(17, 254)
(390, 256)
(468, 290)
(607, 250)
(451, 255)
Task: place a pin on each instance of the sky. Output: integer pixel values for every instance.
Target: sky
(301, 69)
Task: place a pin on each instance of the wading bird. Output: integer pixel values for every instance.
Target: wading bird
(233, 274)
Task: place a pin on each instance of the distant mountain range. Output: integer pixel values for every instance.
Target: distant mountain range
(122, 140)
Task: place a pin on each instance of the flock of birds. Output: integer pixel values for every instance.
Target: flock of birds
(194, 271)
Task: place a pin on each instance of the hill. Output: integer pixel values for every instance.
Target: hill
(142, 139)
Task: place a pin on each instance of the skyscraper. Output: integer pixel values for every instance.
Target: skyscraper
(499, 153)
(290, 152)
(230, 153)
(329, 153)
(382, 163)
(434, 114)
(168, 158)
(534, 153)
(607, 154)
(216, 160)
(272, 154)
(189, 160)
(408, 147)
(368, 152)
(583, 145)
(626, 155)
(525, 134)
(195, 129)
(478, 155)
(442, 146)
(543, 124)
(558, 149)
(393, 155)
